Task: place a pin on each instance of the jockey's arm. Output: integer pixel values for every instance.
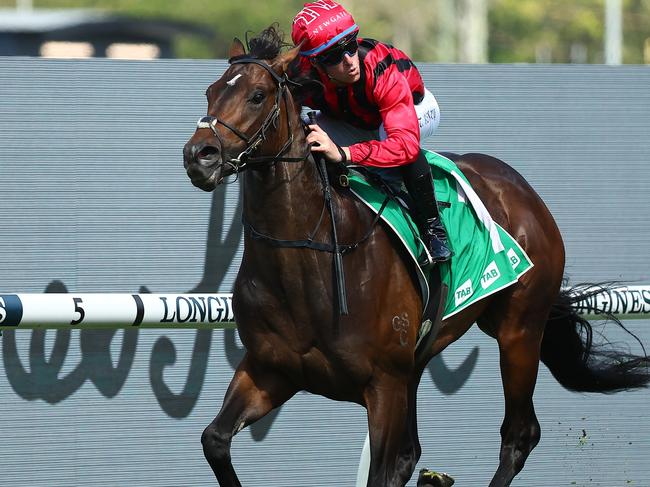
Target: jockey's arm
(400, 122)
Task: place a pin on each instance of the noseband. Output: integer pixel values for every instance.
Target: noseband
(244, 160)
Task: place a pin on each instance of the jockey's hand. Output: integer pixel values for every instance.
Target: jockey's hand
(321, 142)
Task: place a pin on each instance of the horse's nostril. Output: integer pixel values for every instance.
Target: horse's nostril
(207, 152)
(208, 156)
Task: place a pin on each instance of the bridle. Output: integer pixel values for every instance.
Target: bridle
(245, 159)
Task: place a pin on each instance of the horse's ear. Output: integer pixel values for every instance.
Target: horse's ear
(237, 48)
(281, 62)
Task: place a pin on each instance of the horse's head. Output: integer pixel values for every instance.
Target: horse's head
(245, 120)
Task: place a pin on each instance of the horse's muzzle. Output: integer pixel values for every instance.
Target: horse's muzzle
(203, 164)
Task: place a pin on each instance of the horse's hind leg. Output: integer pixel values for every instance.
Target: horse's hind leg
(251, 395)
(387, 404)
(519, 336)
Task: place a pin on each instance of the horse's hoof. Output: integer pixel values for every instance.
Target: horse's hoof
(429, 478)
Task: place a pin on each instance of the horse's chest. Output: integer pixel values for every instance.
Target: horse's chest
(273, 313)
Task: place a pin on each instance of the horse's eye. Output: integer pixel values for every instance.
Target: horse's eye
(257, 98)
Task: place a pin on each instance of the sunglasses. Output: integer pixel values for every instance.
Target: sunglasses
(334, 55)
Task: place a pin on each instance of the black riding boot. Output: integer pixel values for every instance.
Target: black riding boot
(419, 184)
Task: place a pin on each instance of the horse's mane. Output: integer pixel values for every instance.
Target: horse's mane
(267, 44)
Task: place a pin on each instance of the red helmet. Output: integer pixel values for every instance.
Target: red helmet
(321, 24)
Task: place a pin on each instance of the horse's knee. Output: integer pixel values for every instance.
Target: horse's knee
(216, 445)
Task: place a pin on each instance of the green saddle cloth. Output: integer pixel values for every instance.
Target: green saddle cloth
(486, 258)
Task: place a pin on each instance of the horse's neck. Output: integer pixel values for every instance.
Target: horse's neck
(284, 199)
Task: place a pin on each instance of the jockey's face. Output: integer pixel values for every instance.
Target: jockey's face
(345, 72)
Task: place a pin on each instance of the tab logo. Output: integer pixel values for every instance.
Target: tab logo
(490, 275)
(514, 260)
(464, 292)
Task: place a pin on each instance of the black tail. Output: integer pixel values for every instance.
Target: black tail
(576, 361)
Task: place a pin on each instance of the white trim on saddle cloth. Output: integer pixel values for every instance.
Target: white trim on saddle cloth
(481, 211)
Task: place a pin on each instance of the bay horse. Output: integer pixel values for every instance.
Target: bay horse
(286, 304)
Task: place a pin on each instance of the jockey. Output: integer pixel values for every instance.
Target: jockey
(373, 86)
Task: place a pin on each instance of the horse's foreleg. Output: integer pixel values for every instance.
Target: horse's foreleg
(410, 449)
(387, 404)
(520, 431)
(252, 394)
